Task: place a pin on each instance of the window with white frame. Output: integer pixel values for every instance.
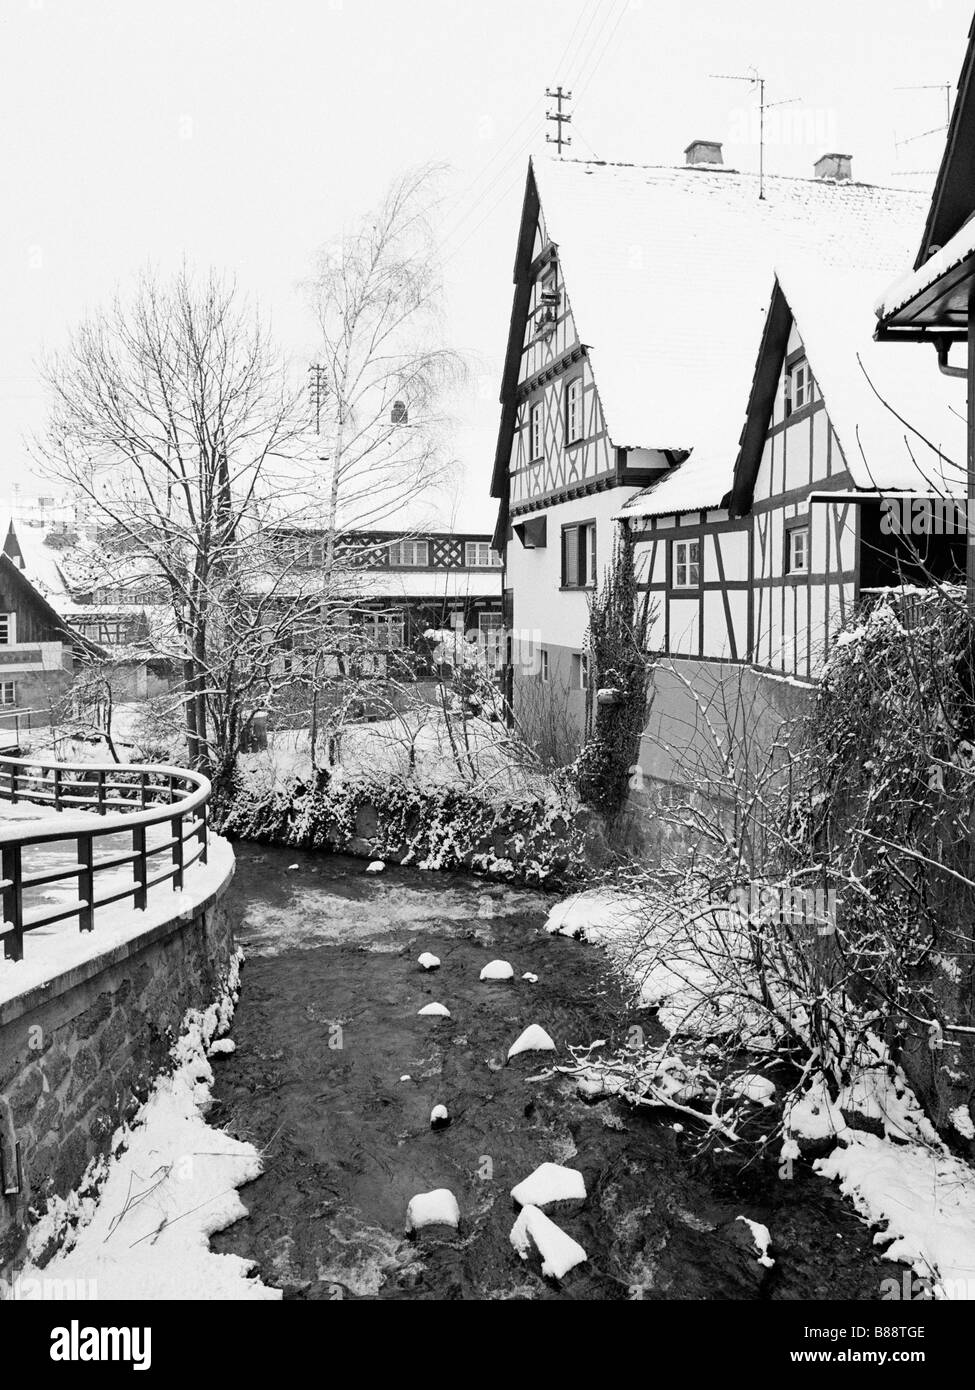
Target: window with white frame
(543, 666)
(800, 387)
(537, 431)
(573, 411)
(385, 631)
(8, 629)
(409, 554)
(481, 555)
(687, 564)
(8, 693)
(582, 671)
(797, 552)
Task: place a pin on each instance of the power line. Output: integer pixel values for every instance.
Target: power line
(453, 230)
(587, 82)
(597, 13)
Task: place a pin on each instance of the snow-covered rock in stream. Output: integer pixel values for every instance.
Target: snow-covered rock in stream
(595, 1083)
(434, 1011)
(437, 1208)
(549, 1183)
(559, 1252)
(428, 961)
(753, 1087)
(376, 867)
(762, 1238)
(533, 1039)
(498, 970)
(222, 1047)
(439, 1117)
(532, 979)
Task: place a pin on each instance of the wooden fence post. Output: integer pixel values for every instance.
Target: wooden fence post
(86, 882)
(177, 829)
(139, 867)
(13, 903)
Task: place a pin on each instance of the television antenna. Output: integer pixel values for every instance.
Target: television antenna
(755, 79)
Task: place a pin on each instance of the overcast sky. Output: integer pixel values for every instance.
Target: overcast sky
(242, 133)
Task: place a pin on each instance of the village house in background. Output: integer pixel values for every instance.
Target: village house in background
(398, 585)
(655, 310)
(39, 652)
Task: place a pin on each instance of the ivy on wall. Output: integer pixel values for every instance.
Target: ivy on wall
(618, 695)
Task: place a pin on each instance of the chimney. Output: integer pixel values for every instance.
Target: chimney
(701, 152)
(838, 167)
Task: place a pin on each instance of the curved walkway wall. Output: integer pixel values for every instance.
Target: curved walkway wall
(81, 1041)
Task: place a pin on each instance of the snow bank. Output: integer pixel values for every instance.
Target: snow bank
(549, 1183)
(559, 1252)
(170, 1184)
(922, 1197)
(690, 961)
(533, 1039)
(437, 1208)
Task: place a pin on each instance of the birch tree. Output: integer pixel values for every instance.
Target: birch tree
(384, 371)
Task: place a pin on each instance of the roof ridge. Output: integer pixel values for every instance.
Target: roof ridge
(723, 171)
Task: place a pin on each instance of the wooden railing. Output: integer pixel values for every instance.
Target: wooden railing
(132, 800)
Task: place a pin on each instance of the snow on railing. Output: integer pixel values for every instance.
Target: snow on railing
(133, 800)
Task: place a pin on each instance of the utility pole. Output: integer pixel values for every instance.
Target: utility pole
(317, 392)
(559, 117)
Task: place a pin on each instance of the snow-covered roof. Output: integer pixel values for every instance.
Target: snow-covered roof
(669, 272)
(912, 285)
(899, 422)
(434, 584)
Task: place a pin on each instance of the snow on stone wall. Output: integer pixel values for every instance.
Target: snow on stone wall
(79, 1053)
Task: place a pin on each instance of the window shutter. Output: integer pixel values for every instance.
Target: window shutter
(570, 555)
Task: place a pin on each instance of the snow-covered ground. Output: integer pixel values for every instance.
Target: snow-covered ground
(421, 744)
(907, 1184)
(139, 1226)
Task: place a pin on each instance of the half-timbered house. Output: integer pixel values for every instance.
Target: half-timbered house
(399, 585)
(641, 299)
(808, 511)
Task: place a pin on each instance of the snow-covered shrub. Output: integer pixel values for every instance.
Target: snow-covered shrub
(531, 839)
(890, 818)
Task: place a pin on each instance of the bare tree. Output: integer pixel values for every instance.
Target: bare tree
(384, 370)
(173, 416)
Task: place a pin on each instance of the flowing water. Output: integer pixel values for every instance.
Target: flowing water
(327, 1029)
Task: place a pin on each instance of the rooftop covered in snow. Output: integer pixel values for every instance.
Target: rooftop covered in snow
(669, 273)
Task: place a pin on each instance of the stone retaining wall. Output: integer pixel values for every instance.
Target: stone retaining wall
(78, 1055)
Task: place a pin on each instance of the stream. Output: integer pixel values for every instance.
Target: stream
(326, 1028)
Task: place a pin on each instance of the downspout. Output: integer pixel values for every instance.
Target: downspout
(943, 347)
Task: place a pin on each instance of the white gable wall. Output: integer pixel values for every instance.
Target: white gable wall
(795, 617)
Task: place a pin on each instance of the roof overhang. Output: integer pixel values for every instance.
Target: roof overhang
(935, 308)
